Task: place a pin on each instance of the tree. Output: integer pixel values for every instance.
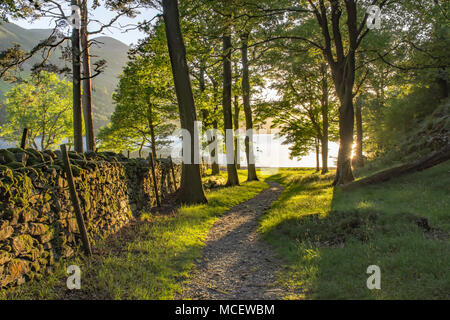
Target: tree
(204, 59)
(324, 102)
(191, 190)
(87, 87)
(336, 34)
(236, 111)
(43, 105)
(145, 98)
(76, 81)
(226, 104)
(251, 174)
(342, 65)
(123, 8)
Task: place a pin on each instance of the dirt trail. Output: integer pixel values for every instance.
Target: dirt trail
(236, 263)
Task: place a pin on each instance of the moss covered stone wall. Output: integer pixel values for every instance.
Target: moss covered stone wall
(37, 221)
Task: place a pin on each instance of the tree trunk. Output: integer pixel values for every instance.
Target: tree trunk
(251, 174)
(87, 90)
(140, 148)
(441, 80)
(215, 169)
(207, 124)
(23, 143)
(226, 104)
(344, 172)
(236, 127)
(191, 189)
(316, 142)
(344, 87)
(43, 132)
(358, 159)
(325, 124)
(343, 74)
(344, 78)
(76, 73)
(152, 129)
(385, 175)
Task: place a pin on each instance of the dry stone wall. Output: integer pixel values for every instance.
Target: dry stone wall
(37, 221)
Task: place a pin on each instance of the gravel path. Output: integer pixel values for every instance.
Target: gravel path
(236, 263)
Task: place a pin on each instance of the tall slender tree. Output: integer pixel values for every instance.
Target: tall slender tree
(87, 89)
(251, 169)
(191, 190)
(76, 75)
(226, 104)
(325, 124)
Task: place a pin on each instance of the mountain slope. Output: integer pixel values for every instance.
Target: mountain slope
(110, 49)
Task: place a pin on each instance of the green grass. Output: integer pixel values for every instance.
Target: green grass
(328, 237)
(149, 261)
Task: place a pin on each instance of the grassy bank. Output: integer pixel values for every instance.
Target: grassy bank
(147, 260)
(329, 237)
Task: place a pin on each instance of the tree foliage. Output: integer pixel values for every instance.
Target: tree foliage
(145, 99)
(42, 103)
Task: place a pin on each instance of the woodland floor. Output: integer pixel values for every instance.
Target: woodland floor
(237, 263)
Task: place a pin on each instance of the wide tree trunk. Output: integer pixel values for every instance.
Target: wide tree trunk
(251, 169)
(226, 104)
(76, 76)
(358, 158)
(343, 71)
(191, 189)
(325, 125)
(344, 172)
(87, 89)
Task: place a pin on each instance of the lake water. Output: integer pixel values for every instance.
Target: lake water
(269, 152)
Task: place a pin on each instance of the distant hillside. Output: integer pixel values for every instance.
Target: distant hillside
(110, 49)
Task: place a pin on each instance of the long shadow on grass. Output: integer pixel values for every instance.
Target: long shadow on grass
(329, 242)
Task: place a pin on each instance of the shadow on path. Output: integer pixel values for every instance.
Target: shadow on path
(236, 263)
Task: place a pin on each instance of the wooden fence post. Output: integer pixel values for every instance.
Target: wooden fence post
(173, 173)
(155, 183)
(75, 201)
(23, 143)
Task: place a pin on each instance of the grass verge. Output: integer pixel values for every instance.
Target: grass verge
(146, 260)
(328, 237)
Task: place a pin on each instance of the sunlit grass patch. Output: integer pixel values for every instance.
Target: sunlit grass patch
(328, 238)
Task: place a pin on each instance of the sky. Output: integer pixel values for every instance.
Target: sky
(273, 154)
